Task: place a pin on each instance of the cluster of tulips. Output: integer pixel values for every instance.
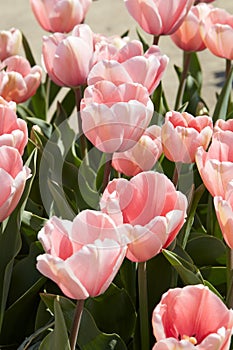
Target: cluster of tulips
(155, 170)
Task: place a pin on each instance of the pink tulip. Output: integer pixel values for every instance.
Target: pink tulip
(142, 156)
(224, 213)
(67, 59)
(192, 318)
(157, 17)
(182, 134)
(115, 48)
(18, 81)
(59, 15)
(217, 33)
(151, 206)
(188, 36)
(13, 176)
(115, 117)
(13, 130)
(223, 125)
(82, 256)
(146, 69)
(10, 42)
(216, 165)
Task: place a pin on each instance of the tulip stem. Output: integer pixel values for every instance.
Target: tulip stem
(229, 299)
(143, 306)
(227, 72)
(76, 324)
(180, 91)
(156, 40)
(82, 137)
(107, 170)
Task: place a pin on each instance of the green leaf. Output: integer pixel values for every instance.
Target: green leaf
(58, 339)
(220, 111)
(108, 317)
(188, 272)
(28, 52)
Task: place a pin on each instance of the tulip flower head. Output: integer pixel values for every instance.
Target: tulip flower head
(67, 59)
(82, 256)
(115, 117)
(13, 176)
(183, 133)
(216, 165)
(157, 17)
(18, 80)
(13, 130)
(10, 43)
(152, 208)
(142, 156)
(192, 318)
(59, 15)
(217, 33)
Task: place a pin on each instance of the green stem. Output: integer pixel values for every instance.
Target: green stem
(184, 74)
(143, 306)
(107, 170)
(156, 40)
(227, 72)
(76, 324)
(229, 299)
(82, 137)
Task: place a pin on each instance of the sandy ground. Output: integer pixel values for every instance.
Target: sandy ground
(111, 17)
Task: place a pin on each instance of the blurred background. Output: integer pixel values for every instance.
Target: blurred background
(110, 17)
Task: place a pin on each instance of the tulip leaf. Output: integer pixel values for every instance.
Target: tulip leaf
(206, 250)
(220, 111)
(28, 51)
(143, 41)
(108, 317)
(58, 339)
(187, 271)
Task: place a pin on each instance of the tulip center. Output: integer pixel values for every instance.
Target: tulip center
(192, 339)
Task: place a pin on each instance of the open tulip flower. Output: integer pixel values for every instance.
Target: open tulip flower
(181, 321)
(67, 59)
(13, 130)
(59, 15)
(150, 203)
(146, 69)
(10, 43)
(82, 256)
(18, 80)
(217, 33)
(216, 165)
(142, 156)
(115, 117)
(158, 18)
(13, 176)
(183, 133)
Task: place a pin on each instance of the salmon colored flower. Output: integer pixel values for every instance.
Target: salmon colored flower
(223, 125)
(146, 69)
(217, 33)
(224, 213)
(216, 165)
(67, 59)
(151, 207)
(13, 130)
(18, 80)
(59, 15)
(142, 156)
(10, 42)
(157, 17)
(192, 318)
(13, 176)
(188, 36)
(115, 117)
(82, 257)
(183, 133)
